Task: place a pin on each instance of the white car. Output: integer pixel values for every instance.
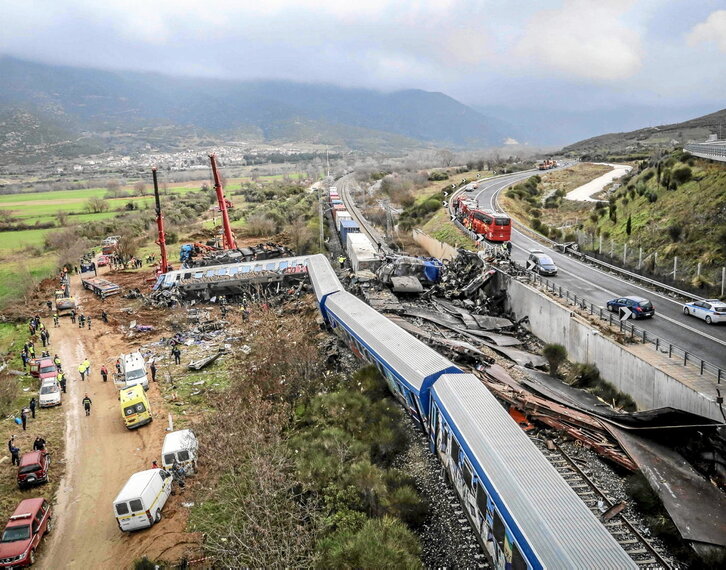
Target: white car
(710, 310)
(50, 393)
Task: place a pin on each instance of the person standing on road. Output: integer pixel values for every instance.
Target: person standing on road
(104, 316)
(152, 367)
(87, 366)
(82, 371)
(104, 373)
(55, 320)
(24, 358)
(88, 322)
(176, 353)
(24, 417)
(57, 362)
(81, 321)
(32, 406)
(62, 381)
(87, 404)
(73, 316)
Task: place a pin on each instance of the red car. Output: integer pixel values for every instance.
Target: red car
(43, 368)
(20, 539)
(103, 260)
(33, 468)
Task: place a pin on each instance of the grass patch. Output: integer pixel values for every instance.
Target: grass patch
(15, 394)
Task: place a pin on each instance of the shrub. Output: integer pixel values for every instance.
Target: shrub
(675, 231)
(556, 355)
(258, 226)
(384, 542)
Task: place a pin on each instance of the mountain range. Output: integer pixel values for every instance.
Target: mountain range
(82, 109)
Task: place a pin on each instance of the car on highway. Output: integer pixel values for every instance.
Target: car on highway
(640, 307)
(22, 534)
(712, 311)
(540, 262)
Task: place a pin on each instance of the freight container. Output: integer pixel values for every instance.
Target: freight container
(361, 252)
(336, 202)
(347, 227)
(337, 212)
(341, 216)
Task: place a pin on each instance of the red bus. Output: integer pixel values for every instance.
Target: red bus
(494, 226)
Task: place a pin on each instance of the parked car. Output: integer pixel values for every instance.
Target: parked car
(43, 368)
(543, 263)
(49, 394)
(710, 310)
(33, 468)
(641, 308)
(103, 260)
(31, 520)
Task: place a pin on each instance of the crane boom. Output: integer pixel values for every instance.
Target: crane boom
(228, 241)
(161, 241)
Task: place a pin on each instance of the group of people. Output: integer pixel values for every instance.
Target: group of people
(84, 369)
(38, 445)
(84, 320)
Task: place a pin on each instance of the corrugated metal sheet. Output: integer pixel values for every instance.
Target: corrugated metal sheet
(322, 276)
(413, 360)
(552, 519)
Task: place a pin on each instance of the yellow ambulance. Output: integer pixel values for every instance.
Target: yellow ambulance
(135, 408)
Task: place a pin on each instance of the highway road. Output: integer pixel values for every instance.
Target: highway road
(596, 286)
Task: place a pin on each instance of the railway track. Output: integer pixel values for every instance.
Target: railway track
(643, 553)
(344, 190)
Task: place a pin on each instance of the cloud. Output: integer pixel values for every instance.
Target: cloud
(566, 51)
(712, 30)
(583, 39)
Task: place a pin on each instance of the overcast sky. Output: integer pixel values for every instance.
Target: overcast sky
(578, 54)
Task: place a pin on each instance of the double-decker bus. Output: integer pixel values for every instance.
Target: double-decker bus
(494, 226)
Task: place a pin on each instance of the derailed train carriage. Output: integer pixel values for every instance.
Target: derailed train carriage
(524, 514)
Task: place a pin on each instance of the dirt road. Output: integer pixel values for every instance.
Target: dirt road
(100, 456)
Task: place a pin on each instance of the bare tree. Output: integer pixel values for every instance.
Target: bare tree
(139, 188)
(96, 205)
(62, 217)
(127, 246)
(114, 189)
(446, 157)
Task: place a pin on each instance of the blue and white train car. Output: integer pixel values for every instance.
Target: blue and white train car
(323, 277)
(524, 513)
(409, 366)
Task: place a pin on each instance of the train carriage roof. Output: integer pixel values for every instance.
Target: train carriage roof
(555, 523)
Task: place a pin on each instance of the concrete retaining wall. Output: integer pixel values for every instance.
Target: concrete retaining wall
(636, 370)
(434, 247)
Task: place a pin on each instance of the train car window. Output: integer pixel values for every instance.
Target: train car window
(498, 530)
(481, 499)
(518, 561)
(455, 451)
(466, 469)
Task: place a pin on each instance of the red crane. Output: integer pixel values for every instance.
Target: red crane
(228, 241)
(164, 264)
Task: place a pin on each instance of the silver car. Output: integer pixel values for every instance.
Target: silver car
(710, 310)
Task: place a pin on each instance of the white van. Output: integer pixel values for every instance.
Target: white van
(139, 503)
(50, 393)
(133, 371)
(180, 446)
